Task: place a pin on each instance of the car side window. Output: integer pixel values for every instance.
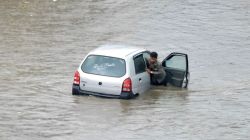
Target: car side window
(146, 56)
(140, 65)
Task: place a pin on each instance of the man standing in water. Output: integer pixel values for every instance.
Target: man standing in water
(156, 71)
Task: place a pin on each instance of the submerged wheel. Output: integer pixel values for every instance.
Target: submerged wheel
(75, 90)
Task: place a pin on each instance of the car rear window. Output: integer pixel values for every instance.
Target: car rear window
(104, 65)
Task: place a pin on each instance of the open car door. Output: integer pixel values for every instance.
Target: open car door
(176, 67)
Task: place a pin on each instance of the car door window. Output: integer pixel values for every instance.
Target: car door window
(139, 63)
(146, 56)
(177, 62)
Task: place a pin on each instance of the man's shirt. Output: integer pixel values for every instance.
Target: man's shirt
(158, 72)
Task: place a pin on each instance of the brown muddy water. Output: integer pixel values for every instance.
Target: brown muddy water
(43, 41)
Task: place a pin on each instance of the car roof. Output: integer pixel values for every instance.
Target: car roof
(119, 51)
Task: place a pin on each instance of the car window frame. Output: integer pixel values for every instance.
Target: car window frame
(138, 55)
(173, 55)
(145, 59)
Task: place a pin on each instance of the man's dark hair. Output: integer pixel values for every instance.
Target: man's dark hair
(154, 54)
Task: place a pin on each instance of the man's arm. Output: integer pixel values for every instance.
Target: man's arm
(159, 71)
(152, 72)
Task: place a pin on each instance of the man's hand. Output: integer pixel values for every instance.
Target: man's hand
(148, 70)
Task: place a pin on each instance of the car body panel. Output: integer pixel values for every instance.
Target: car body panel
(102, 84)
(118, 51)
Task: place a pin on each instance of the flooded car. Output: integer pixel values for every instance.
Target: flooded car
(120, 72)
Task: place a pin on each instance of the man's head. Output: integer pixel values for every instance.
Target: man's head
(153, 57)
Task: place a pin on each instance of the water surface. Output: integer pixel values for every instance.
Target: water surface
(42, 43)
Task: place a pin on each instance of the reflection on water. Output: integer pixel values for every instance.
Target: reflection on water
(42, 43)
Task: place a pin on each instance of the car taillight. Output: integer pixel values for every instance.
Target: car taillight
(127, 85)
(77, 78)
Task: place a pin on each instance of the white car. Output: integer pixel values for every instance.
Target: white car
(120, 72)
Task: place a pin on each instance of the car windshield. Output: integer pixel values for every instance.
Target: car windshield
(104, 65)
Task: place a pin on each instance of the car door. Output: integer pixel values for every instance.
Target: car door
(147, 83)
(176, 67)
(141, 78)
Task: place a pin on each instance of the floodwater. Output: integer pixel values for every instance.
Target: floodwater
(43, 41)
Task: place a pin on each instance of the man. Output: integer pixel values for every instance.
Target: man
(156, 71)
